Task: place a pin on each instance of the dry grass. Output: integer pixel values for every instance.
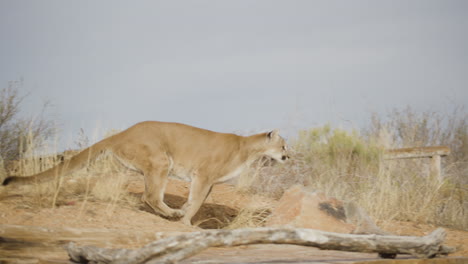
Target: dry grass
(249, 217)
(103, 180)
(350, 167)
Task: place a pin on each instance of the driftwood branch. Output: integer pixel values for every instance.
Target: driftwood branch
(90, 236)
(177, 248)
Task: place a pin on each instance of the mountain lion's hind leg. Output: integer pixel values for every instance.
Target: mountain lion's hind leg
(156, 174)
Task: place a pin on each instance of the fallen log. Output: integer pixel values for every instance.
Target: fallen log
(90, 236)
(173, 249)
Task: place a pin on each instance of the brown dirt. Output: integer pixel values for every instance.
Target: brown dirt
(222, 206)
(219, 209)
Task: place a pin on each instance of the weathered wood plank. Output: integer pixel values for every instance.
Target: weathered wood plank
(420, 152)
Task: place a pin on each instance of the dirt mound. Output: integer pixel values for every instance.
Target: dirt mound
(221, 207)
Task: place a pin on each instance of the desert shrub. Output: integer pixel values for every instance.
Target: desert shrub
(321, 158)
(338, 149)
(17, 133)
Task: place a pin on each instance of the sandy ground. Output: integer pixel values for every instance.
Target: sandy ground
(221, 207)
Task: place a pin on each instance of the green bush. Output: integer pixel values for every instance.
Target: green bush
(335, 148)
(322, 158)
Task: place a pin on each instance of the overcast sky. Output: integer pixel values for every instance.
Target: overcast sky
(233, 66)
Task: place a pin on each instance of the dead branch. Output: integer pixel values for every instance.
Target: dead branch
(179, 247)
(89, 236)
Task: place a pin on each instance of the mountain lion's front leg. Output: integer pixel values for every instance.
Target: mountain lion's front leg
(199, 191)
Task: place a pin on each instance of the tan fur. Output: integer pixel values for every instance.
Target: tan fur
(158, 149)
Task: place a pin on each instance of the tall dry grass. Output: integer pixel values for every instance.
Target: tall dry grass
(15, 128)
(350, 166)
(103, 180)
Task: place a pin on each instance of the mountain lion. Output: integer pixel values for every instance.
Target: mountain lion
(159, 149)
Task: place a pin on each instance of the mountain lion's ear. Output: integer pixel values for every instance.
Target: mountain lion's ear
(273, 134)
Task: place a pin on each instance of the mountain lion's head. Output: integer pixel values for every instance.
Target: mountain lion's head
(276, 147)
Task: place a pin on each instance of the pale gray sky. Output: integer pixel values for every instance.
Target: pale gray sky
(234, 65)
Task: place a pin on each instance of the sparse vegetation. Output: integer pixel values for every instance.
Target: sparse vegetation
(322, 158)
(17, 133)
(103, 180)
(349, 165)
(346, 164)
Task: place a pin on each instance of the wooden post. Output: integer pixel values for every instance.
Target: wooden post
(435, 167)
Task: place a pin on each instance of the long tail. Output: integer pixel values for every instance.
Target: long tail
(63, 168)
